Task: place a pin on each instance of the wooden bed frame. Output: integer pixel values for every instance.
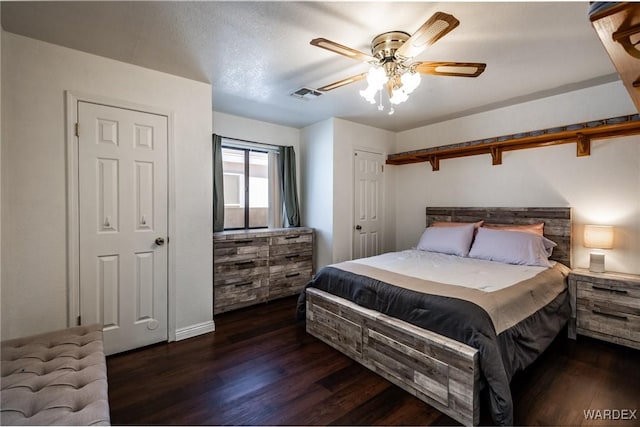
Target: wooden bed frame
(437, 370)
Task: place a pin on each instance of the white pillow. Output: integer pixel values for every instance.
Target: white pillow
(447, 240)
(512, 247)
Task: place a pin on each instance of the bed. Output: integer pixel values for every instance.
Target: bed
(438, 340)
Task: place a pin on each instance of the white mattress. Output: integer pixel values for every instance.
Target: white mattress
(487, 276)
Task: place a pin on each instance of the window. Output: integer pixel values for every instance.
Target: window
(246, 176)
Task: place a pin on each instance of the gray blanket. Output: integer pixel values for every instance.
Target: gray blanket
(501, 355)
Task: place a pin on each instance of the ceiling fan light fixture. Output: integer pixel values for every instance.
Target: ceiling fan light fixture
(376, 77)
(398, 96)
(390, 67)
(410, 81)
(369, 94)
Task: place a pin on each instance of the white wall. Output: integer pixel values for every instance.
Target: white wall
(317, 187)
(35, 76)
(254, 130)
(349, 137)
(603, 188)
(327, 182)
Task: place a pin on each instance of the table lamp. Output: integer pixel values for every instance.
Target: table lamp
(598, 237)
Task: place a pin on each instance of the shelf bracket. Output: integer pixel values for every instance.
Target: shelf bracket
(583, 145)
(435, 163)
(496, 155)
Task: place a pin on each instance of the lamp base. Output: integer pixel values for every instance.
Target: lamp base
(596, 263)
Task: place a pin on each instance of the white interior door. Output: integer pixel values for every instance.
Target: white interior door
(122, 186)
(367, 190)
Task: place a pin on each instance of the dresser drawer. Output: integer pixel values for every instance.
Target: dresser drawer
(233, 250)
(621, 292)
(293, 260)
(290, 239)
(243, 267)
(288, 282)
(610, 308)
(239, 292)
(611, 319)
(292, 249)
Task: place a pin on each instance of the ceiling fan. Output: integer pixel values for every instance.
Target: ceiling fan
(391, 55)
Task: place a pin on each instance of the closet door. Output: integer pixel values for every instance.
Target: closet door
(367, 233)
(123, 204)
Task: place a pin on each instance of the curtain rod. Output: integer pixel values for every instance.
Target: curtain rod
(272, 146)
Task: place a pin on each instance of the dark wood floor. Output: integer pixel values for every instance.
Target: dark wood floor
(261, 368)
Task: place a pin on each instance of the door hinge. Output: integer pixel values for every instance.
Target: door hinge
(79, 321)
(381, 168)
(77, 129)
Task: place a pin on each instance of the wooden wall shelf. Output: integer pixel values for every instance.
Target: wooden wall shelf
(618, 27)
(580, 133)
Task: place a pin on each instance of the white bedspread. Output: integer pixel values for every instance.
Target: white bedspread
(487, 276)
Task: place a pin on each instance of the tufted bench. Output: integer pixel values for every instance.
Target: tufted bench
(57, 378)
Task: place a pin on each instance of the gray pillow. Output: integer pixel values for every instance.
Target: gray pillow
(447, 240)
(512, 247)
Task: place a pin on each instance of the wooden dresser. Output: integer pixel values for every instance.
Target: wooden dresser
(605, 306)
(254, 266)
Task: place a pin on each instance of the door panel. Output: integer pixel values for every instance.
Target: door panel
(107, 195)
(368, 202)
(123, 207)
(144, 286)
(144, 196)
(109, 285)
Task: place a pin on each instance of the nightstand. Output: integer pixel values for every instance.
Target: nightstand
(605, 306)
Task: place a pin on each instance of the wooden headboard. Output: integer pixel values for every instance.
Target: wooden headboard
(557, 222)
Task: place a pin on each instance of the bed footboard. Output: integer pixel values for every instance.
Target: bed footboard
(437, 370)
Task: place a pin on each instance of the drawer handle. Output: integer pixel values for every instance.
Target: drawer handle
(614, 316)
(292, 256)
(291, 237)
(241, 241)
(291, 275)
(617, 291)
(244, 263)
(238, 285)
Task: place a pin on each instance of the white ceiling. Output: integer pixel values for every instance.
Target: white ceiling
(256, 53)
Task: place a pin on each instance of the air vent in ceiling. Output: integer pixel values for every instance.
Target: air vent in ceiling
(306, 93)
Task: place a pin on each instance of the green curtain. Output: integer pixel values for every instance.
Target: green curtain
(218, 187)
(289, 188)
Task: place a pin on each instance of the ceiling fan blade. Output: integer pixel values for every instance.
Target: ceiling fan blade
(431, 31)
(454, 69)
(343, 50)
(343, 82)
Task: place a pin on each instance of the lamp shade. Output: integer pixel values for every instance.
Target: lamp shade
(598, 236)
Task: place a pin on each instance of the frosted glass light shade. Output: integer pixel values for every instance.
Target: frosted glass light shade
(376, 77)
(369, 94)
(598, 236)
(410, 81)
(399, 96)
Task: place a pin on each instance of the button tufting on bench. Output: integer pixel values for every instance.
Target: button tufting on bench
(55, 379)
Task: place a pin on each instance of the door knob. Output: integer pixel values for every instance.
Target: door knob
(358, 227)
(160, 241)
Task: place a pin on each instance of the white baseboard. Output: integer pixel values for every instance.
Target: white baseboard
(195, 330)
